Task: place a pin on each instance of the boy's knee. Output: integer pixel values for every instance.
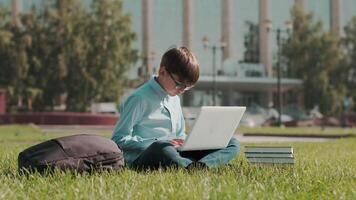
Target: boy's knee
(234, 142)
(235, 145)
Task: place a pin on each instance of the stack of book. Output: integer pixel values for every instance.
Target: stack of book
(269, 154)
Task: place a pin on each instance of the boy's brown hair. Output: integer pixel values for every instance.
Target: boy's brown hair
(181, 62)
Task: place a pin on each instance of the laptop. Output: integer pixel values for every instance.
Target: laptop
(214, 128)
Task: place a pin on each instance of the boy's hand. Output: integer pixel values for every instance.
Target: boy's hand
(177, 142)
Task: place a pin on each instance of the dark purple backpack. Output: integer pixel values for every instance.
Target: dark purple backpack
(75, 153)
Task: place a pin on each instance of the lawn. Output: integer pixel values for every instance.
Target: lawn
(322, 171)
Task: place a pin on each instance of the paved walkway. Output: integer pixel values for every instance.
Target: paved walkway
(76, 129)
(103, 129)
(257, 139)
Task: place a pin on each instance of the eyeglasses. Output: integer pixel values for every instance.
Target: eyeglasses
(179, 85)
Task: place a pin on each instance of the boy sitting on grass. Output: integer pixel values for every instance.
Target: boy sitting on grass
(152, 126)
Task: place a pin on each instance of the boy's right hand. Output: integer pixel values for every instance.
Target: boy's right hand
(177, 142)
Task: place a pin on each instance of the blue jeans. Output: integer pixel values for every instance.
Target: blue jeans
(163, 154)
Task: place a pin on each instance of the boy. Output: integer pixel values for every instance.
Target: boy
(152, 126)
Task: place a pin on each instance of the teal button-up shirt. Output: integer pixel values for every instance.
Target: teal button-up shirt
(149, 114)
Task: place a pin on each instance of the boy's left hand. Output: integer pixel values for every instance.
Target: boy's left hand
(177, 142)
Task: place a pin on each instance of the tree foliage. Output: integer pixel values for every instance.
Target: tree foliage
(349, 44)
(65, 49)
(314, 56)
(251, 43)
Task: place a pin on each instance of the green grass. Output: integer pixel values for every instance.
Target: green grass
(30, 134)
(322, 171)
(307, 131)
(23, 133)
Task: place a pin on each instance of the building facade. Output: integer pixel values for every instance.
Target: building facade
(225, 78)
(224, 24)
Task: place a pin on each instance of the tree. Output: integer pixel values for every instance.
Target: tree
(314, 56)
(5, 41)
(251, 43)
(108, 57)
(70, 20)
(44, 76)
(65, 49)
(14, 43)
(349, 63)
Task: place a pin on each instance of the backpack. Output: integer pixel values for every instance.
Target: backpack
(74, 153)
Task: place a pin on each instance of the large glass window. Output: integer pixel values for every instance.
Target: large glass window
(5, 3)
(245, 12)
(167, 27)
(206, 22)
(321, 11)
(134, 9)
(280, 14)
(29, 4)
(348, 10)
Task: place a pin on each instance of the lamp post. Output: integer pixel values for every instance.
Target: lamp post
(147, 69)
(213, 47)
(279, 31)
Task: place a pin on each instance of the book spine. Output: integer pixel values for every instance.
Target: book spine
(268, 151)
(269, 155)
(271, 160)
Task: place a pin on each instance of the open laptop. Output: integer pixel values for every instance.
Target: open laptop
(214, 128)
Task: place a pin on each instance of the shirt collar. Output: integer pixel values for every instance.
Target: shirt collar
(157, 87)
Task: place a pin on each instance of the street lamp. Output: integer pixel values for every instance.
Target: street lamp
(279, 31)
(213, 47)
(147, 69)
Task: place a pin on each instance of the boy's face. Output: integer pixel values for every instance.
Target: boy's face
(172, 83)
